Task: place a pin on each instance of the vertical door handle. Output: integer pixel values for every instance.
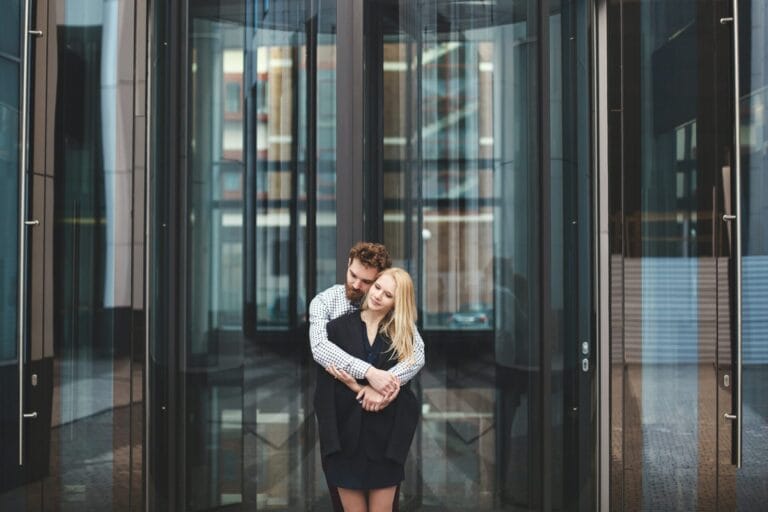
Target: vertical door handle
(736, 416)
(22, 314)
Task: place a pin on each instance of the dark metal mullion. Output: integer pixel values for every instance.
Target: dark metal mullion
(418, 183)
(311, 28)
(132, 269)
(250, 170)
(412, 81)
(349, 129)
(546, 318)
(293, 230)
(374, 125)
(180, 100)
(572, 369)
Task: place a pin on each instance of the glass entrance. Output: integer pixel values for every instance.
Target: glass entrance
(476, 176)
(473, 172)
(485, 186)
(674, 263)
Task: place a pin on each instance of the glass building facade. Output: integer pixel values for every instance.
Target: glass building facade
(578, 188)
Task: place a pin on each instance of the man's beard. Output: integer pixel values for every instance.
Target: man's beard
(353, 296)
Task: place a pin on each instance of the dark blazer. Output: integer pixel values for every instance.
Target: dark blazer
(342, 422)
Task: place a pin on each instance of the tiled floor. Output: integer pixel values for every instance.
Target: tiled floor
(262, 452)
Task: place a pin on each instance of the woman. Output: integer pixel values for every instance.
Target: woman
(364, 451)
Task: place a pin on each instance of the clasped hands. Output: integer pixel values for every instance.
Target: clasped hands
(382, 387)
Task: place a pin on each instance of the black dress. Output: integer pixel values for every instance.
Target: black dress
(361, 449)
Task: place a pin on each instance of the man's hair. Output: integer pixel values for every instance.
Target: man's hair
(371, 255)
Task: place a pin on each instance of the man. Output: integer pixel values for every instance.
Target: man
(365, 262)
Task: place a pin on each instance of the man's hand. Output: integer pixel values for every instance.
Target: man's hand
(384, 382)
(389, 398)
(370, 399)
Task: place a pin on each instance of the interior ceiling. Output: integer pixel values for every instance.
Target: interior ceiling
(433, 15)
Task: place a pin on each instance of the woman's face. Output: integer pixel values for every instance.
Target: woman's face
(381, 296)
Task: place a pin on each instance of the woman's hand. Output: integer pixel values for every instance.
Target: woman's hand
(344, 378)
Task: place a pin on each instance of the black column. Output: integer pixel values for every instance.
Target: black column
(349, 129)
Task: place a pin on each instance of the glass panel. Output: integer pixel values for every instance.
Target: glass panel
(212, 357)
(462, 212)
(10, 474)
(245, 380)
(9, 201)
(569, 247)
(325, 133)
(10, 42)
(752, 479)
(673, 279)
(92, 363)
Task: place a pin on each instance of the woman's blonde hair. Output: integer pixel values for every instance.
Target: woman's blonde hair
(398, 324)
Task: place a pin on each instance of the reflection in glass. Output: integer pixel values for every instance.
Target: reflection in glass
(456, 130)
(325, 133)
(93, 251)
(9, 255)
(9, 201)
(213, 355)
(462, 210)
(752, 479)
(246, 408)
(670, 268)
(672, 445)
(570, 252)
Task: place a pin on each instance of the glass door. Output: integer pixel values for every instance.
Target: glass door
(481, 165)
(686, 362)
(751, 479)
(242, 236)
(12, 59)
(80, 290)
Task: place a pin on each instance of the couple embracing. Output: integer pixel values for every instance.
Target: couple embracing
(364, 338)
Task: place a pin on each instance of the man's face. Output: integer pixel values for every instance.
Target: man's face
(359, 279)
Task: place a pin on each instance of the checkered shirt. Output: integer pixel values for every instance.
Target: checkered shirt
(332, 303)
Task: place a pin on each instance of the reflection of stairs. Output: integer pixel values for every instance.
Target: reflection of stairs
(662, 301)
(755, 309)
(670, 309)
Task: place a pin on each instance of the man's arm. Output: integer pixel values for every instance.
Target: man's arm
(324, 351)
(406, 370)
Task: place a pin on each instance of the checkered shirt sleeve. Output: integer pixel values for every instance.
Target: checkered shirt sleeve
(332, 303)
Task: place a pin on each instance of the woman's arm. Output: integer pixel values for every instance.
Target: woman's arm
(368, 397)
(344, 378)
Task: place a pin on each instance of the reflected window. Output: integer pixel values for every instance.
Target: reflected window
(232, 98)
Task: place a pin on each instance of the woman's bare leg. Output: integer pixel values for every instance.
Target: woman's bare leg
(380, 500)
(353, 500)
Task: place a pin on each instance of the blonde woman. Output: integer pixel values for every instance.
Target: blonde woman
(364, 447)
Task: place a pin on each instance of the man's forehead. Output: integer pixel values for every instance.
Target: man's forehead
(359, 266)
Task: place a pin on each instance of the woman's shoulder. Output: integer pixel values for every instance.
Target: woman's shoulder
(346, 319)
